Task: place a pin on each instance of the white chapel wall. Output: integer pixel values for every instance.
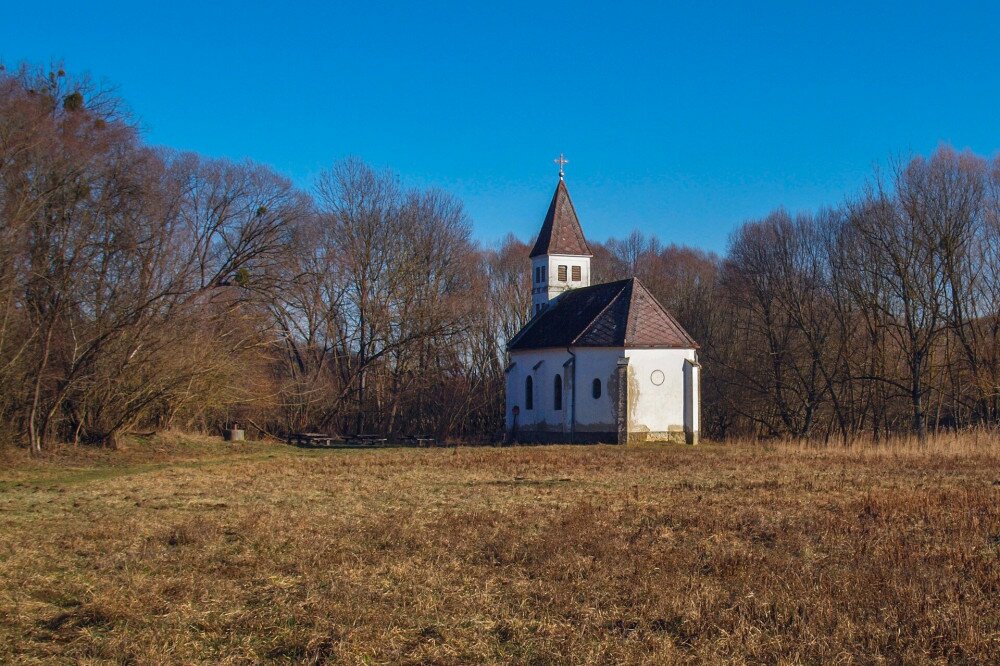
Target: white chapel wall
(596, 415)
(592, 415)
(543, 415)
(657, 409)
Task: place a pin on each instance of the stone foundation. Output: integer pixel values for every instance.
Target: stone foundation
(671, 437)
(602, 437)
(675, 435)
(550, 437)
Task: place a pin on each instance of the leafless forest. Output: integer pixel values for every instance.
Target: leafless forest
(143, 289)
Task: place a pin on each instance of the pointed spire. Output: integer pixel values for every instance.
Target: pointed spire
(561, 232)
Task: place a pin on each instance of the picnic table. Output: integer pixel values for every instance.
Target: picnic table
(310, 439)
(420, 440)
(365, 440)
(316, 439)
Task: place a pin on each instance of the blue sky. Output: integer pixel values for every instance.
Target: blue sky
(680, 120)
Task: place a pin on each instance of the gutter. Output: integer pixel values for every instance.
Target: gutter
(572, 405)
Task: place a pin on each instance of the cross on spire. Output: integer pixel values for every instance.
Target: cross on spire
(562, 162)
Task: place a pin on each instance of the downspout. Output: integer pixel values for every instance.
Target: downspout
(572, 406)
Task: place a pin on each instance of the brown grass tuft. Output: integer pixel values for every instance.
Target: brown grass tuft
(755, 553)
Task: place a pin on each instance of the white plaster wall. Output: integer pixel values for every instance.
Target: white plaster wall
(544, 379)
(539, 290)
(595, 363)
(692, 396)
(591, 363)
(552, 286)
(657, 408)
(664, 408)
(556, 286)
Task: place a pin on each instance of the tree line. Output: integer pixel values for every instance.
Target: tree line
(878, 316)
(143, 288)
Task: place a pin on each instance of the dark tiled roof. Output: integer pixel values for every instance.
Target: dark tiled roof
(615, 314)
(561, 232)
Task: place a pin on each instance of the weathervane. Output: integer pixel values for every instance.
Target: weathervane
(562, 162)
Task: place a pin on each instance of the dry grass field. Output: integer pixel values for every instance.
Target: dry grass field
(185, 550)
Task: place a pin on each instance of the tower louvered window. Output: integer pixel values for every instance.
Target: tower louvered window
(577, 274)
(562, 273)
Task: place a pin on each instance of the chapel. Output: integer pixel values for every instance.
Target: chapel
(596, 363)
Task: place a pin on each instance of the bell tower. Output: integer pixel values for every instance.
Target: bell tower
(560, 258)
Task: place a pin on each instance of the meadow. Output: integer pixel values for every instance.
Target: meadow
(187, 550)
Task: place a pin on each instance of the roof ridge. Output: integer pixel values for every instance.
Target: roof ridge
(614, 300)
(671, 320)
(632, 322)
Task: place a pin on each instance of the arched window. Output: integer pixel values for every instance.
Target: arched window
(529, 393)
(596, 389)
(557, 394)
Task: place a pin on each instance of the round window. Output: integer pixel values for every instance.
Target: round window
(657, 377)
